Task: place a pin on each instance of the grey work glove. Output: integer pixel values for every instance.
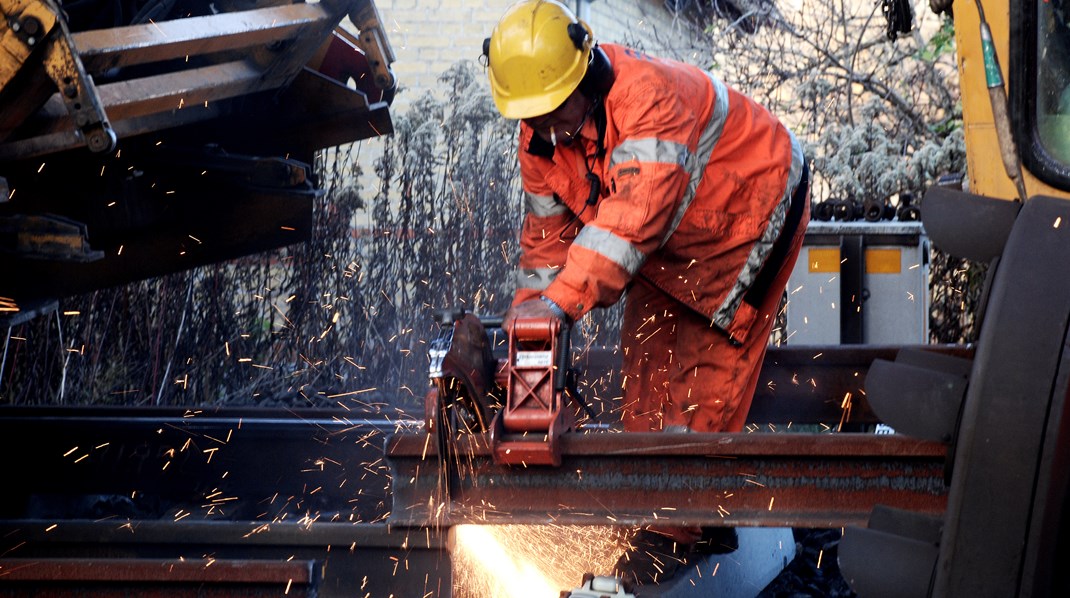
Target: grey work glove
(534, 308)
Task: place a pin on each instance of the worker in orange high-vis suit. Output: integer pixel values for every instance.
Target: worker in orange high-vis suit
(650, 177)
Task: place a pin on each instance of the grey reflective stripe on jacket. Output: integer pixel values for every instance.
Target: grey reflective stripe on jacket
(696, 163)
(649, 150)
(653, 150)
(535, 278)
(612, 247)
(540, 206)
(756, 259)
(543, 206)
(608, 244)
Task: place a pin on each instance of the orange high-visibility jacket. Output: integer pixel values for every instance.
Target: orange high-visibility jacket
(696, 181)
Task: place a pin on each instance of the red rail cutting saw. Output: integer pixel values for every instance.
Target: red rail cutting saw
(520, 398)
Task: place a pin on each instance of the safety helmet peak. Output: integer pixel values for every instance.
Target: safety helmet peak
(536, 56)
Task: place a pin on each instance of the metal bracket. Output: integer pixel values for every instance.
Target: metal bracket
(373, 41)
(234, 54)
(24, 24)
(39, 27)
(76, 88)
(47, 237)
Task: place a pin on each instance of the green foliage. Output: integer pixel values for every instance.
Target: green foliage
(863, 161)
(942, 43)
(343, 319)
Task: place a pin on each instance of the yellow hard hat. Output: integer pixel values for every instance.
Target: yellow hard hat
(537, 55)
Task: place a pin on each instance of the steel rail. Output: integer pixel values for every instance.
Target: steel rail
(769, 480)
(324, 463)
(120, 557)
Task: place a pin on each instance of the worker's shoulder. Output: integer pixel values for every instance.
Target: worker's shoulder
(635, 66)
(645, 79)
(622, 52)
(631, 63)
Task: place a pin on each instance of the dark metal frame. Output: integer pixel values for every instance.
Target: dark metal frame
(1007, 429)
(1023, 96)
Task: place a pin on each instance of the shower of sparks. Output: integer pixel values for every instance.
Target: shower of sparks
(529, 561)
(845, 407)
(8, 305)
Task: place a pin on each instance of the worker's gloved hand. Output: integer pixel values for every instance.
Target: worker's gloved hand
(533, 308)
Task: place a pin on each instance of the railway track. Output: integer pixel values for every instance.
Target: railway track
(124, 501)
(989, 426)
(116, 557)
(330, 465)
(145, 463)
(267, 493)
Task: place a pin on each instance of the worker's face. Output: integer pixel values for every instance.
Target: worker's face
(564, 123)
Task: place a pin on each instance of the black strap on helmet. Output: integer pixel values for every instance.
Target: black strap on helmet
(578, 34)
(599, 76)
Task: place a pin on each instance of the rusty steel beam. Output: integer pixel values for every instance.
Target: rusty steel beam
(174, 91)
(263, 555)
(162, 578)
(769, 480)
(160, 571)
(104, 49)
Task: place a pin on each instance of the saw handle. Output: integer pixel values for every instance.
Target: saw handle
(564, 353)
(533, 399)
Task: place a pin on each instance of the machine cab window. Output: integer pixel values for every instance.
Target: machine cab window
(1040, 87)
(1053, 78)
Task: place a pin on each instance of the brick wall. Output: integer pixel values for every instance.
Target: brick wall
(430, 35)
